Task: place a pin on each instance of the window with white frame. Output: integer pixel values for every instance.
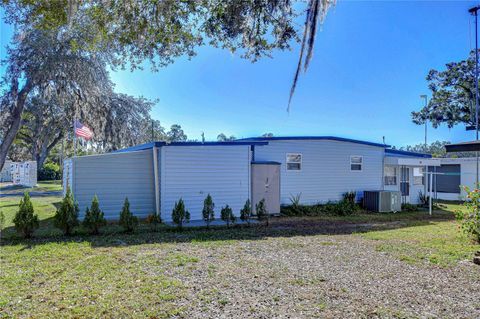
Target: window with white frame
(356, 163)
(390, 175)
(418, 175)
(294, 161)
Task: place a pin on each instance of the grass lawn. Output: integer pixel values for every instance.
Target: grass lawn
(300, 266)
(42, 186)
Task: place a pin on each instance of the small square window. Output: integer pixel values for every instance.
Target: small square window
(356, 163)
(294, 162)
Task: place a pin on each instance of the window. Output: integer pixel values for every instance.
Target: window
(294, 162)
(390, 175)
(418, 175)
(356, 163)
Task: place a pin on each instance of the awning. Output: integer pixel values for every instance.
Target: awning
(392, 160)
(472, 146)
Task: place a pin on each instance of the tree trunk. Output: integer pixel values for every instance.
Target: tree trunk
(16, 117)
(46, 148)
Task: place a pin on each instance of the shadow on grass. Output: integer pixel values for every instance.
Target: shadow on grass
(112, 235)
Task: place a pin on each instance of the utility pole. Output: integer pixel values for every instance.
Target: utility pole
(474, 11)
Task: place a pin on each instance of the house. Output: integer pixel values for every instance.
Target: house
(317, 168)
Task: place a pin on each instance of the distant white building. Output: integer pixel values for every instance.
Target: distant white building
(6, 174)
(24, 173)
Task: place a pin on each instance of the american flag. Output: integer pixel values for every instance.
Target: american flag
(82, 130)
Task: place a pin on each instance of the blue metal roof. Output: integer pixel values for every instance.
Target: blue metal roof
(150, 145)
(296, 138)
(407, 153)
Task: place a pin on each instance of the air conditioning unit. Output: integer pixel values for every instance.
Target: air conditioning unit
(382, 201)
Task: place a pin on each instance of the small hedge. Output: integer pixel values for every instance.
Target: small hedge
(49, 172)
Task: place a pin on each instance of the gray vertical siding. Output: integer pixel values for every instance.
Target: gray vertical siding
(112, 177)
(191, 172)
(325, 173)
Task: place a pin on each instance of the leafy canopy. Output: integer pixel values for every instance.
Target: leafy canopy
(453, 95)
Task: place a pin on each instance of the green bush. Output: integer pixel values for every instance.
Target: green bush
(246, 212)
(341, 208)
(208, 210)
(470, 218)
(227, 215)
(349, 197)
(66, 218)
(94, 217)
(26, 221)
(179, 214)
(128, 221)
(261, 212)
(49, 172)
(153, 220)
(407, 207)
(2, 222)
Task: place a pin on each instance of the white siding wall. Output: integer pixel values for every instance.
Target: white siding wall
(325, 173)
(191, 172)
(112, 177)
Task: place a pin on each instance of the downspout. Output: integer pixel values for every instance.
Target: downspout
(155, 172)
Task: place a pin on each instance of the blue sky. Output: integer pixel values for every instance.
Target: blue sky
(367, 73)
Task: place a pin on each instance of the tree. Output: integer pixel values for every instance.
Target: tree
(246, 212)
(227, 215)
(179, 214)
(176, 134)
(261, 211)
(66, 217)
(208, 212)
(223, 138)
(267, 135)
(453, 95)
(128, 221)
(94, 217)
(161, 31)
(436, 149)
(26, 221)
(40, 61)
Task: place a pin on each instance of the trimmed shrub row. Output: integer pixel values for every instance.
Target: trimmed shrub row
(66, 217)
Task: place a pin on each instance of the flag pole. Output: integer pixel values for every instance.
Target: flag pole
(74, 139)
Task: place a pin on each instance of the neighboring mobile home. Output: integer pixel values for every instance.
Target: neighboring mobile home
(318, 168)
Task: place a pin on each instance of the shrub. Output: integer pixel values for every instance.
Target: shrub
(2, 223)
(261, 211)
(128, 221)
(470, 218)
(349, 197)
(26, 221)
(208, 210)
(66, 218)
(94, 218)
(424, 199)
(49, 172)
(179, 214)
(153, 220)
(407, 207)
(246, 212)
(227, 215)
